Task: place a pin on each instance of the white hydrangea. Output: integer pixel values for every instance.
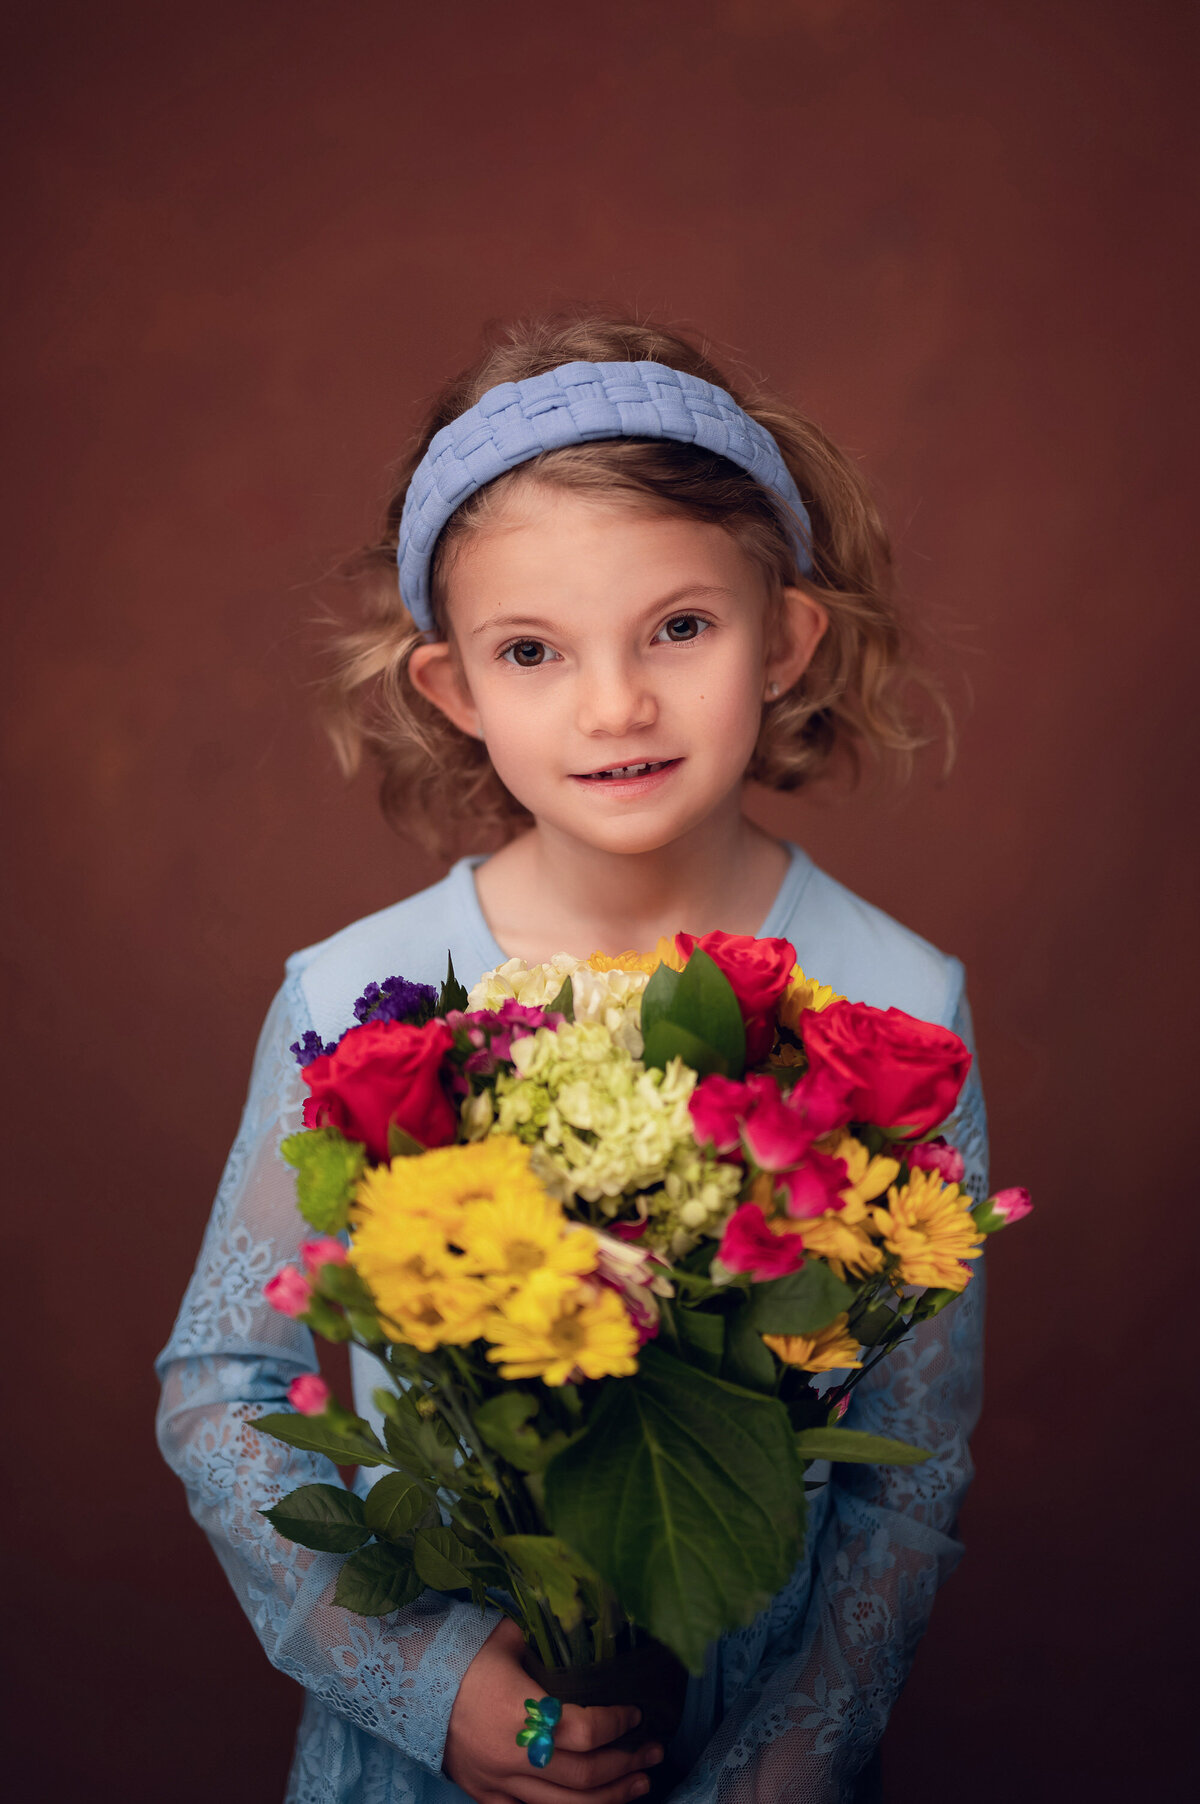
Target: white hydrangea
(611, 999)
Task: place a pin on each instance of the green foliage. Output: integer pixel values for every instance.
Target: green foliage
(873, 1324)
(504, 1424)
(441, 1559)
(421, 1444)
(327, 1166)
(325, 1517)
(452, 995)
(852, 1447)
(702, 1337)
(553, 1571)
(747, 1361)
(401, 1144)
(395, 1506)
(564, 1002)
(685, 1495)
(801, 1303)
(693, 1014)
(377, 1581)
(342, 1436)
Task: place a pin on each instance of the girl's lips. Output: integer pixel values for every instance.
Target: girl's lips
(631, 786)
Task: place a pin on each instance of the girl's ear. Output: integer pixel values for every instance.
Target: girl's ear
(803, 625)
(437, 675)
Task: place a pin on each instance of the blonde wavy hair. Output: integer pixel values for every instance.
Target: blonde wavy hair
(863, 692)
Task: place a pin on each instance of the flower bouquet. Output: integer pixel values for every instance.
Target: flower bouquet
(604, 1225)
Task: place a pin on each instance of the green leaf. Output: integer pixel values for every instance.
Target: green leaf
(658, 997)
(341, 1436)
(328, 1166)
(705, 1003)
(801, 1303)
(552, 1570)
(423, 1444)
(394, 1506)
(503, 1422)
(702, 1336)
(453, 995)
(441, 1559)
(872, 1324)
(685, 1494)
(377, 1581)
(564, 1002)
(325, 1517)
(667, 1040)
(746, 1359)
(401, 1144)
(850, 1446)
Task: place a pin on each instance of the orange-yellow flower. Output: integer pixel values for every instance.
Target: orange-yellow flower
(831, 1349)
(867, 1177)
(804, 993)
(555, 1328)
(842, 1237)
(665, 953)
(928, 1226)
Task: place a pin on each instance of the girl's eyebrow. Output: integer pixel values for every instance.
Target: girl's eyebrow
(689, 591)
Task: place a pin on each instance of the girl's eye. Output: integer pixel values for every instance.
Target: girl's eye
(527, 654)
(683, 627)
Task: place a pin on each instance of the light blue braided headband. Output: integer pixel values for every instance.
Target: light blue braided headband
(571, 405)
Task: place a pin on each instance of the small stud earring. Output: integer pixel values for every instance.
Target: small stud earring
(773, 689)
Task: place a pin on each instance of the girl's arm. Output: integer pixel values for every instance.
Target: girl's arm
(231, 1358)
(839, 1640)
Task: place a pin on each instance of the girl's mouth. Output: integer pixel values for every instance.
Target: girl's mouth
(631, 778)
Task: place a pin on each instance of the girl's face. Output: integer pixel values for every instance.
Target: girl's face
(615, 663)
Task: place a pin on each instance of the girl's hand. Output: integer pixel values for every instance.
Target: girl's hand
(482, 1755)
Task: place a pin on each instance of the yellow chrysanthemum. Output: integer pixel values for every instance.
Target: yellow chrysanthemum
(449, 1312)
(927, 1225)
(664, 953)
(842, 1238)
(868, 1177)
(804, 993)
(524, 1231)
(830, 1349)
(554, 1330)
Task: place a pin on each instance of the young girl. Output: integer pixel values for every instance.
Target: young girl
(623, 590)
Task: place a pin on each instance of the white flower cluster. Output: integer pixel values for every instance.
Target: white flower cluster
(611, 999)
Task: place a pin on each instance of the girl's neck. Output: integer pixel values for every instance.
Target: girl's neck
(548, 892)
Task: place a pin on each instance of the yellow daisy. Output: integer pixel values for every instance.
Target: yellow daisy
(521, 1232)
(928, 1226)
(664, 953)
(868, 1177)
(830, 1349)
(842, 1237)
(804, 993)
(449, 1312)
(554, 1330)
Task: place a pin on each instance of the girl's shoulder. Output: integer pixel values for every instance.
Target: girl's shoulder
(412, 938)
(851, 944)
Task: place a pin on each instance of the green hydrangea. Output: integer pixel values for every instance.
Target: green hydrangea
(604, 1129)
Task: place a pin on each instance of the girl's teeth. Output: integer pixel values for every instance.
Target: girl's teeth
(625, 770)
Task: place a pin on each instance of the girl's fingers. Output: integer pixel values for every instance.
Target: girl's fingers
(534, 1790)
(589, 1772)
(585, 1727)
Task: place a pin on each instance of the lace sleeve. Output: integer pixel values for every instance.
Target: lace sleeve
(231, 1358)
(803, 1718)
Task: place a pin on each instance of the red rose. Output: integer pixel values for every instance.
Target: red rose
(381, 1072)
(758, 972)
(903, 1072)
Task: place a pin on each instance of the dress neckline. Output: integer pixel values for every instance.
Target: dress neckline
(461, 878)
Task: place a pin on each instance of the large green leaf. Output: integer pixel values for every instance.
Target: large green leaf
(669, 1040)
(686, 1495)
(328, 1166)
(658, 997)
(702, 1336)
(854, 1447)
(395, 1505)
(325, 1517)
(377, 1581)
(747, 1359)
(552, 1569)
(504, 1423)
(342, 1437)
(801, 1303)
(693, 1015)
(441, 1559)
(422, 1443)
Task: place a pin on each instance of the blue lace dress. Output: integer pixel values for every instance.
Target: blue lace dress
(789, 1708)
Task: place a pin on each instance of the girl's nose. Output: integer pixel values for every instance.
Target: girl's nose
(616, 699)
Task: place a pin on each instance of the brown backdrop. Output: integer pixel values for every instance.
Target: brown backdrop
(245, 243)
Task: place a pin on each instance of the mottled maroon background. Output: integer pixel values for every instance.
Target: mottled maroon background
(244, 244)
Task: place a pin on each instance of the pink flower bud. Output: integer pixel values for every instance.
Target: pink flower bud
(323, 1251)
(935, 1155)
(842, 1406)
(1000, 1210)
(289, 1291)
(309, 1395)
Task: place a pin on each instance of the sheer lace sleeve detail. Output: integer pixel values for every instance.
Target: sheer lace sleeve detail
(808, 1688)
(231, 1358)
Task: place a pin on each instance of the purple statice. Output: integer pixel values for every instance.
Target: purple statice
(396, 999)
(491, 1032)
(310, 1047)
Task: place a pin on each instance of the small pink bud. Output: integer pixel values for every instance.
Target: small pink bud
(309, 1395)
(1001, 1210)
(842, 1406)
(289, 1291)
(935, 1155)
(323, 1251)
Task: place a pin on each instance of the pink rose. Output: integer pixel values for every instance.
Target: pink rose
(935, 1155)
(718, 1105)
(758, 971)
(380, 1073)
(749, 1245)
(322, 1251)
(289, 1291)
(815, 1186)
(309, 1395)
(901, 1072)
